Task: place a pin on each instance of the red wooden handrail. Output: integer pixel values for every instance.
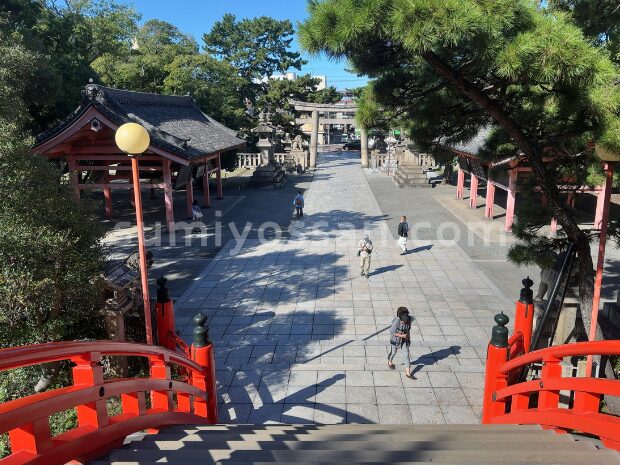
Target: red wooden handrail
(567, 350)
(172, 401)
(17, 357)
(537, 402)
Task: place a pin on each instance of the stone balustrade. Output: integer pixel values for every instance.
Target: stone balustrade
(289, 160)
(248, 160)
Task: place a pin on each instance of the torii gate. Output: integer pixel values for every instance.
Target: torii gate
(344, 114)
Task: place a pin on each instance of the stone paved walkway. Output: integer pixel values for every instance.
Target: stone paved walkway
(300, 337)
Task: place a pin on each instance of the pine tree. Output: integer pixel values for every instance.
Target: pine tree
(452, 67)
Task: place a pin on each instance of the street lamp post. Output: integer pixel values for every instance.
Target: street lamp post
(133, 139)
(609, 160)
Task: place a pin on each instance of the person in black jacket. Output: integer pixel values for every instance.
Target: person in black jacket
(400, 339)
(403, 233)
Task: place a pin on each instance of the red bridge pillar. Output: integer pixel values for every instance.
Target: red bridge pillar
(497, 355)
(202, 353)
(524, 313)
(165, 315)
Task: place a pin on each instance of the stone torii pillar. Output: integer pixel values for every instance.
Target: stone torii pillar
(314, 138)
(364, 148)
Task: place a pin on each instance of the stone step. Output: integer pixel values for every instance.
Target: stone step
(386, 443)
(375, 428)
(500, 455)
(211, 437)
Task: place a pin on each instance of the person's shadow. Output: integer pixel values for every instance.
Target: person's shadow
(419, 249)
(433, 357)
(384, 269)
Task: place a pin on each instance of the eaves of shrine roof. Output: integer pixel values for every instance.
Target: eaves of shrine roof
(175, 123)
(471, 148)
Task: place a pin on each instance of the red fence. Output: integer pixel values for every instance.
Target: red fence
(506, 400)
(171, 401)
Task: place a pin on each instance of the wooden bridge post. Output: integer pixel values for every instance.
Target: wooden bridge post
(202, 354)
(524, 313)
(165, 315)
(497, 355)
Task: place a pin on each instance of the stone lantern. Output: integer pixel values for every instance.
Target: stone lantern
(268, 174)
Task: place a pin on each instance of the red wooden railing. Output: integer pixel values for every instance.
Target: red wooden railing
(171, 402)
(507, 400)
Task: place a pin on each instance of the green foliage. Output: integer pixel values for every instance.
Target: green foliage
(51, 255)
(599, 20)
(214, 84)
(257, 47)
(277, 93)
(146, 65)
(63, 41)
(449, 68)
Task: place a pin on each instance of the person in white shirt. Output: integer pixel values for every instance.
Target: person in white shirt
(365, 249)
(403, 233)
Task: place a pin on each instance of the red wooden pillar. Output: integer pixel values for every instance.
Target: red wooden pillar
(165, 315)
(205, 188)
(600, 206)
(524, 313)
(88, 371)
(460, 184)
(473, 192)
(218, 175)
(160, 369)
(490, 200)
(168, 194)
(107, 198)
(189, 196)
(73, 177)
(203, 354)
(494, 380)
(511, 201)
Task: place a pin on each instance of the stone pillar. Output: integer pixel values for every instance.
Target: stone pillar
(314, 138)
(364, 141)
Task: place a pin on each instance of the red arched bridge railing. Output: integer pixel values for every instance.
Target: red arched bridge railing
(507, 399)
(26, 420)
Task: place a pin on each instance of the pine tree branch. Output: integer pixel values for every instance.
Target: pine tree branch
(545, 179)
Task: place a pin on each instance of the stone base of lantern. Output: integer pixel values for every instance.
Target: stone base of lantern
(271, 176)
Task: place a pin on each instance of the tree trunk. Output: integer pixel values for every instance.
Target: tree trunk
(546, 181)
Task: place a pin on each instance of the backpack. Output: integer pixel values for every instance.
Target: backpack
(298, 202)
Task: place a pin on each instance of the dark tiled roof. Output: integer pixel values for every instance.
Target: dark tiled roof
(174, 123)
(473, 145)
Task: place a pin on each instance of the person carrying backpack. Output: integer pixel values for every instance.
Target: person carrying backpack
(298, 202)
(400, 339)
(365, 249)
(403, 233)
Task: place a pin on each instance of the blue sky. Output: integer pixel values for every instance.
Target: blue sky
(197, 16)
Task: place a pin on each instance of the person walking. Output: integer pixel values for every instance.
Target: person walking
(400, 339)
(365, 249)
(196, 216)
(403, 233)
(299, 205)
